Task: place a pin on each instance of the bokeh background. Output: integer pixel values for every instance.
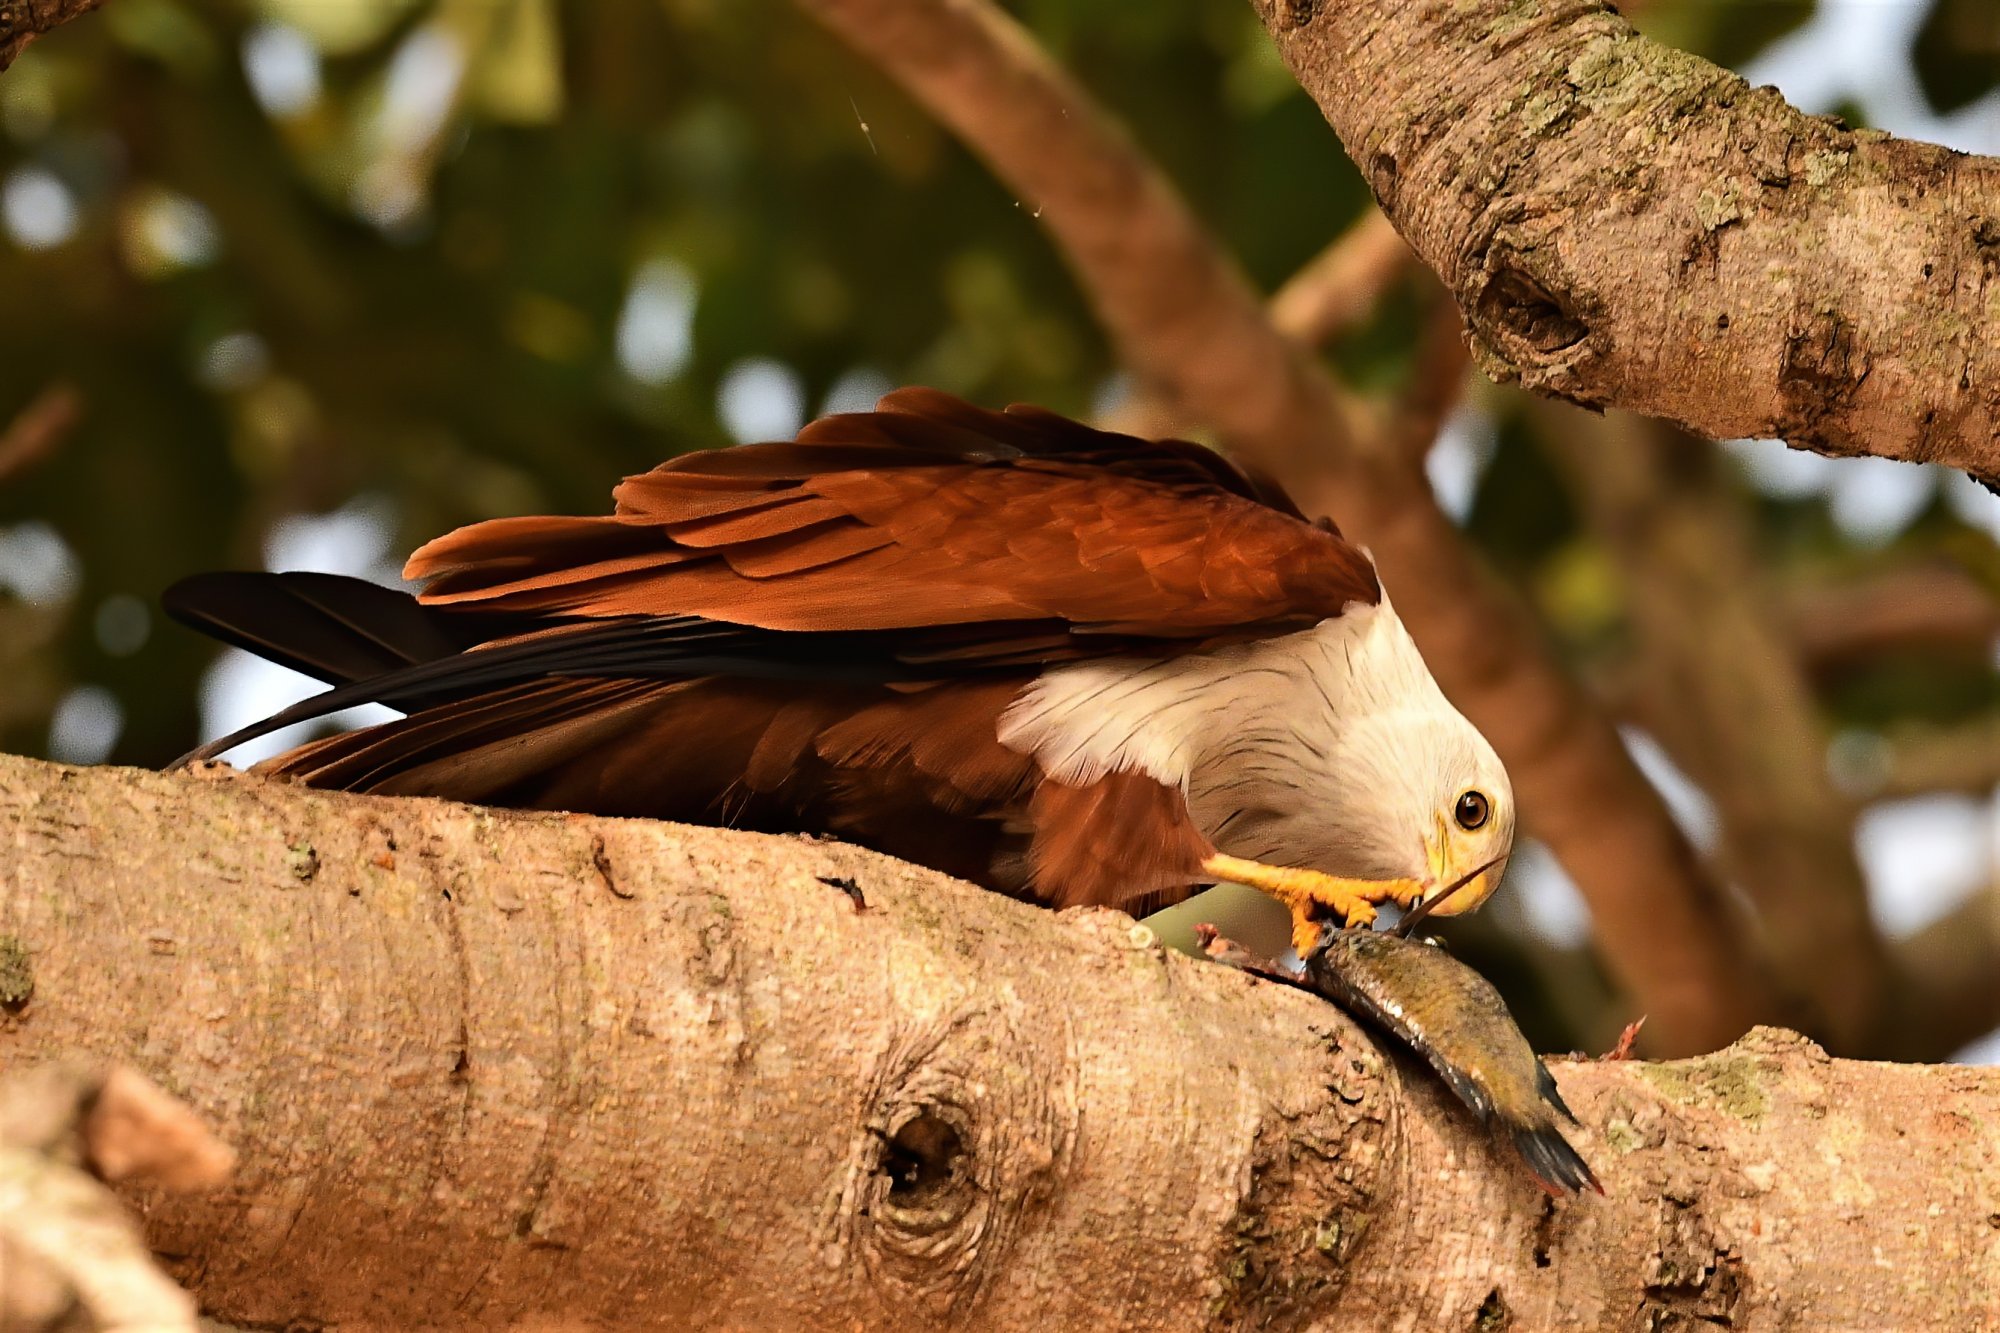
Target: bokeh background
(302, 283)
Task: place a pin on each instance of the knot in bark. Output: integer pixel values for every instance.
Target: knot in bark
(1527, 322)
(970, 1128)
(1823, 369)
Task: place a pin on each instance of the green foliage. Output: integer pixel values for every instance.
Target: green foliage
(1958, 53)
(1728, 32)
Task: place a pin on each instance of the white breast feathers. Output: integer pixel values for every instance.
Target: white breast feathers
(1278, 744)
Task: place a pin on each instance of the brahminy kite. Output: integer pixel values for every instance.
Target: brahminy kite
(1072, 666)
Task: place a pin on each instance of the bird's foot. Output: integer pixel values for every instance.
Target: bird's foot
(1313, 894)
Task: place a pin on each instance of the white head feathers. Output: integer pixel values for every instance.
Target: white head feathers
(1331, 749)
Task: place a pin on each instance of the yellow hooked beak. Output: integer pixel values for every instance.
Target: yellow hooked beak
(1455, 888)
(1455, 895)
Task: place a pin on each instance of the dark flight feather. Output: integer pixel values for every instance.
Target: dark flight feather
(333, 628)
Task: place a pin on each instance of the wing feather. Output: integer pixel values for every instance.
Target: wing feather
(926, 512)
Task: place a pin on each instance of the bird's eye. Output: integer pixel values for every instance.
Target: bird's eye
(1472, 810)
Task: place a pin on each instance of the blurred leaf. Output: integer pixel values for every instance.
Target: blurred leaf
(165, 31)
(1522, 514)
(1958, 52)
(1257, 79)
(1728, 32)
(1580, 590)
(516, 71)
(341, 27)
(551, 329)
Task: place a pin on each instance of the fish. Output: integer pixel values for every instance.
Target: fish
(1417, 993)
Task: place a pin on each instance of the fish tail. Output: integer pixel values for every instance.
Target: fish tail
(1557, 1165)
(1545, 1082)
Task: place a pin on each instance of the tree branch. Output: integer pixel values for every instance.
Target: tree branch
(38, 430)
(1333, 294)
(21, 21)
(1933, 607)
(1917, 758)
(1184, 318)
(1627, 225)
(1417, 415)
(1948, 977)
(484, 1067)
(1344, 284)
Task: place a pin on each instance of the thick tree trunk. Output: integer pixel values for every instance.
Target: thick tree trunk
(1626, 225)
(488, 1069)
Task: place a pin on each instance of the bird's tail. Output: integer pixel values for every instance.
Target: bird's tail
(379, 645)
(484, 722)
(345, 631)
(331, 627)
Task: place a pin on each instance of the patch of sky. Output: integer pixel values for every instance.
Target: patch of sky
(1926, 855)
(85, 726)
(1549, 901)
(654, 339)
(283, 69)
(760, 399)
(1690, 806)
(1459, 457)
(234, 361)
(856, 390)
(37, 209)
(122, 624)
(37, 565)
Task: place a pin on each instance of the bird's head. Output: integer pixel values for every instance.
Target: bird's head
(1471, 810)
(1421, 794)
(1424, 797)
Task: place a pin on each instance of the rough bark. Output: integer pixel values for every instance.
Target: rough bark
(1186, 321)
(1627, 225)
(1742, 723)
(21, 21)
(489, 1069)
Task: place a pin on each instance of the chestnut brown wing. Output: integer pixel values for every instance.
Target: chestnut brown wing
(925, 513)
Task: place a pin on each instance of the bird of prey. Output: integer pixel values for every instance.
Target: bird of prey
(1073, 666)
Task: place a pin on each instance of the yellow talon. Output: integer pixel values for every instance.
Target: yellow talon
(1306, 926)
(1307, 892)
